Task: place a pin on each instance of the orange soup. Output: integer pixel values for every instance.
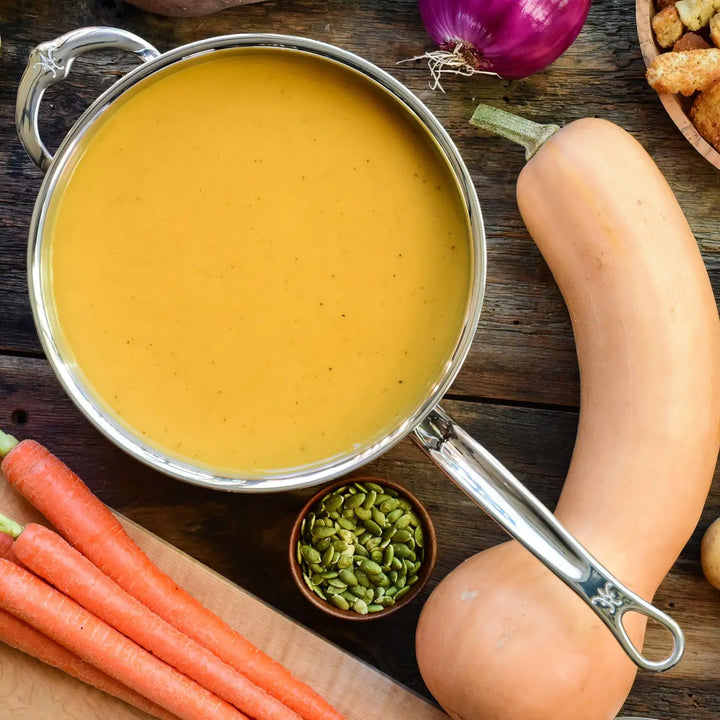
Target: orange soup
(258, 260)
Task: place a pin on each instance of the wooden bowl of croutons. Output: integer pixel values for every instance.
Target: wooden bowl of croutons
(680, 43)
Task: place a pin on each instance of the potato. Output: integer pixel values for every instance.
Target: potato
(710, 554)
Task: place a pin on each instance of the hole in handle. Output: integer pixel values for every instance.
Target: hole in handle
(657, 618)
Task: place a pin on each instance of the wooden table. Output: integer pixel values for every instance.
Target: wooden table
(518, 391)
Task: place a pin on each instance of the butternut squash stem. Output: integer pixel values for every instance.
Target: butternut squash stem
(10, 527)
(531, 135)
(7, 443)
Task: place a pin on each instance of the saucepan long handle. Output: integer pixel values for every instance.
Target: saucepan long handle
(495, 489)
(49, 63)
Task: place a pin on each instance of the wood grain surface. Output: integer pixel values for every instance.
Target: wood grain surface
(518, 391)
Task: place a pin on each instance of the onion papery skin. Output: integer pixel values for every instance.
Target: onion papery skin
(512, 38)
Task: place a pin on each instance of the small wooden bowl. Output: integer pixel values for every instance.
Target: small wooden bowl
(677, 106)
(426, 569)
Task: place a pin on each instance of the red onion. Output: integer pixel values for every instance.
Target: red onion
(509, 38)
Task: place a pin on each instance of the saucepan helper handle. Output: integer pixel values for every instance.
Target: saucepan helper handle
(50, 62)
(497, 491)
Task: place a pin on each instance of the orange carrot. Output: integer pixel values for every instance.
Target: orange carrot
(21, 636)
(60, 495)
(6, 544)
(50, 612)
(46, 554)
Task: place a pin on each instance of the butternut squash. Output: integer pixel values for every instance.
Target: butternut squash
(501, 638)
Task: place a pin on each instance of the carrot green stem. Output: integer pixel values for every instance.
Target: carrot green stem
(7, 443)
(531, 135)
(10, 527)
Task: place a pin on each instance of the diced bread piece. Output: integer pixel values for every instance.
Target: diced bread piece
(715, 29)
(705, 114)
(667, 27)
(662, 4)
(684, 72)
(695, 14)
(691, 41)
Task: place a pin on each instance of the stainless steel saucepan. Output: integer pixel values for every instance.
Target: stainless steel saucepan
(485, 480)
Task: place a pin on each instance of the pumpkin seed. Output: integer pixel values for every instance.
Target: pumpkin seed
(327, 556)
(346, 536)
(374, 528)
(316, 567)
(414, 519)
(393, 575)
(319, 593)
(322, 544)
(397, 563)
(376, 555)
(360, 607)
(385, 601)
(363, 513)
(402, 535)
(360, 550)
(419, 537)
(402, 593)
(338, 583)
(360, 487)
(346, 523)
(375, 608)
(322, 531)
(369, 594)
(378, 517)
(387, 506)
(373, 543)
(333, 503)
(354, 501)
(401, 551)
(388, 555)
(370, 567)
(358, 591)
(373, 486)
(404, 504)
(329, 574)
(344, 562)
(365, 537)
(382, 497)
(412, 579)
(401, 582)
(394, 515)
(340, 602)
(335, 515)
(310, 554)
(362, 578)
(390, 592)
(370, 499)
(348, 577)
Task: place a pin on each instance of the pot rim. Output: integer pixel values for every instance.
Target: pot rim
(286, 478)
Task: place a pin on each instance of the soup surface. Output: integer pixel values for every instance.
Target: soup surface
(258, 261)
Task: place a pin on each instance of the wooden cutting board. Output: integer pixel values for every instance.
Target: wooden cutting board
(30, 690)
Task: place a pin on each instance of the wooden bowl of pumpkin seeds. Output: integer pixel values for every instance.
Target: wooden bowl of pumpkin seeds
(362, 548)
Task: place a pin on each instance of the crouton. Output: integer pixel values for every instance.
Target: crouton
(662, 4)
(691, 41)
(667, 27)
(684, 72)
(695, 14)
(715, 29)
(705, 114)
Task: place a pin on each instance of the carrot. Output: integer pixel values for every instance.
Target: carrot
(60, 618)
(60, 495)
(21, 636)
(46, 554)
(6, 544)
